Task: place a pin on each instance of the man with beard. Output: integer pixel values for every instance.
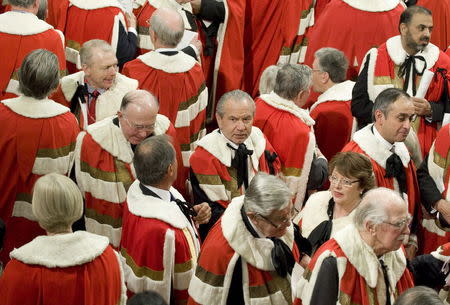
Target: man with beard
(401, 63)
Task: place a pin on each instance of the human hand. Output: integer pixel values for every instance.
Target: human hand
(443, 207)
(421, 106)
(203, 211)
(304, 262)
(196, 6)
(197, 44)
(131, 18)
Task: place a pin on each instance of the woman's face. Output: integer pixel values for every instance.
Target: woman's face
(345, 190)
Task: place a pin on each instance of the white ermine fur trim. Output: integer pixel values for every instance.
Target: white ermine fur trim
(95, 4)
(256, 251)
(338, 92)
(436, 172)
(17, 23)
(373, 6)
(216, 144)
(123, 288)
(36, 109)
(62, 250)
(373, 90)
(278, 102)
(177, 63)
(369, 143)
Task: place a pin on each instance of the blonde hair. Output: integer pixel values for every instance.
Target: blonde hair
(57, 203)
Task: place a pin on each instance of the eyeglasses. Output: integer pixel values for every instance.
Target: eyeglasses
(400, 224)
(345, 182)
(283, 222)
(139, 127)
(317, 70)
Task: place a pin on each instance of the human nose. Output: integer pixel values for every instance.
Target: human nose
(240, 125)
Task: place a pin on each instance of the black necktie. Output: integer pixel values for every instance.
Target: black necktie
(386, 281)
(185, 207)
(239, 162)
(394, 168)
(405, 71)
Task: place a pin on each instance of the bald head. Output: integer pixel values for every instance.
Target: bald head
(140, 98)
(166, 28)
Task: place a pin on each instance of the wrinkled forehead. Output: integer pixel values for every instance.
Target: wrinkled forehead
(239, 107)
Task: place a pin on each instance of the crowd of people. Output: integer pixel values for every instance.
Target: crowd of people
(225, 152)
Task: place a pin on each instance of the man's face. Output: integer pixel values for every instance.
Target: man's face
(137, 123)
(276, 223)
(394, 127)
(317, 77)
(102, 70)
(236, 123)
(417, 34)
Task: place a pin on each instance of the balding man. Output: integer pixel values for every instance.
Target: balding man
(20, 33)
(175, 78)
(364, 261)
(95, 92)
(103, 158)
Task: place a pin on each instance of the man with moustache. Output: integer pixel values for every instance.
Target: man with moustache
(383, 143)
(400, 63)
(364, 261)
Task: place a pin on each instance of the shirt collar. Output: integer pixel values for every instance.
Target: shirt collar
(382, 140)
(166, 50)
(91, 89)
(163, 194)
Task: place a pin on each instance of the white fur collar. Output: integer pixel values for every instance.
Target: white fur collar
(181, 8)
(256, 251)
(177, 63)
(33, 108)
(17, 23)
(369, 143)
(156, 208)
(398, 54)
(314, 212)
(216, 144)
(278, 102)
(362, 257)
(95, 4)
(63, 250)
(373, 6)
(338, 92)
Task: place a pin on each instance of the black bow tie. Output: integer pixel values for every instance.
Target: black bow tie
(405, 71)
(394, 168)
(239, 162)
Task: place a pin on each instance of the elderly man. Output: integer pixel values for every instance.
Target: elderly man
(249, 255)
(227, 159)
(159, 246)
(364, 263)
(82, 20)
(38, 137)
(20, 33)
(103, 160)
(383, 143)
(96, 92)
(289, 129)
(399, 63)
(331, 111)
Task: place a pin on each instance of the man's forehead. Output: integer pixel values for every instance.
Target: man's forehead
(403, 105)
(422, 19)
(234, 106)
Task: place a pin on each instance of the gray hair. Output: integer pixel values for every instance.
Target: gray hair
(267, 80)
(22, 3)
(291, 79)
(39, 74)
(266, 194)
(134, 95)
(373, 207)
(386, 98)
(88, 48)
(333, 62)
(419, 295)
(42, 10)
(235, 95)
(169, 34)
(57, 202)
(152, 158)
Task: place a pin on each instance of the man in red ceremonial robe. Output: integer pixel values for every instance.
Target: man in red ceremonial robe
(404, 61)
(20, 33)
(38, 137)
(383, 143)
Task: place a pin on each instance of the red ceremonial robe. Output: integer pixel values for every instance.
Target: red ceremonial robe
(84, 20)
(441, 20)
(104, 172)
(371, 23)
(38, 137)
(333, 117)
(361, 278)
(211, 164)
(71, 269)
(21, 33)
(295, 148)
(178, 83)
(159, 247)
(383, 73)
(433, 234)
(228, 241)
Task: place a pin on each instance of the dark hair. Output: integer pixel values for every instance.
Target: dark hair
(352, 164)
(152, 158)
(146, 298)
(386, 98)
(419, 295)
(408, 14)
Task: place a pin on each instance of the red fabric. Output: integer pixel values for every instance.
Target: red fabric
(143, 15)
(54, 9)
(441, 20)
(91, 108)
(354, 36)
(95, 283)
